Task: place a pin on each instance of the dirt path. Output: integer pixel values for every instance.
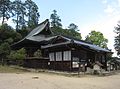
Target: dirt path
(49, 81)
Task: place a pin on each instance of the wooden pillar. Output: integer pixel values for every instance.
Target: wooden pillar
(106, 61)
(71, 61)
(42, 53)
(62, 65)
(54, 60)
(95, 57)
(62, 56)
(28, 50)
(31, 51)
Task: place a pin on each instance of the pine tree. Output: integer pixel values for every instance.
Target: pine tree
(117, 39)
(73, 26)
(32, 13)
(5, 10)
(20, 13)
(55, 19)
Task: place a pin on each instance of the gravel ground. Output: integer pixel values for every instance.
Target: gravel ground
(52, 81)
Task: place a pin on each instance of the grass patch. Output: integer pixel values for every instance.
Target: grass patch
(9, 69)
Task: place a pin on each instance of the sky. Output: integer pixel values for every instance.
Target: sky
(88, 15)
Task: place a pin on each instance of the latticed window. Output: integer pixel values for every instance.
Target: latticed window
(67, 55)
(58, 56)
(51, 56)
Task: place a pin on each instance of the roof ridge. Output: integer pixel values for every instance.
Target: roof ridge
(70, 37)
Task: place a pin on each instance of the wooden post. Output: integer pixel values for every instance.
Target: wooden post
(105, 61)
(62, 60)
(54, 60)
(71, 62)
(79, 69)
(95, 57)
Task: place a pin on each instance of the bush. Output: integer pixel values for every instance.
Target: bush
(18, 56)
(38, 53)
(4, 49)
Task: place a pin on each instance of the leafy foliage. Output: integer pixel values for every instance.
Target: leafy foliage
(117, 39)
(66, 32)
(55, 19)
(19, 12)
(38, 53)
(9, 40)
(5, 10)
(24, 31)
(73, 30)
(97, 38)
(73, 26)
(25, 14)
(4, 49)
(7, 34)
(56, 28)
(32, 13)
(17, 55)
(7, 37)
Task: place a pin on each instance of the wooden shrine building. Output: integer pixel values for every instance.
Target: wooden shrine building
(62, 52)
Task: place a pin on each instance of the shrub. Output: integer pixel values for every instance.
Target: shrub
(4, 51)
(18, 56)
(38, 53)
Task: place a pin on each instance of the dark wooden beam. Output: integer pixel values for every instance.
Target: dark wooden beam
(106, 61)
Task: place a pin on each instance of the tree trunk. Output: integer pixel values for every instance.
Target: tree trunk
(3, 13)
(17, 23)
(3, 20)
(29, 17)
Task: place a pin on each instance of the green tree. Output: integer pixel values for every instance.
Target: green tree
(4, 51)
(66, 32)
(7, 37)
(32, 13)
(117, 39)
(18, 55)
(97, 38)
(73, 27)
(24, 31)
(38, 53)
(55, 19)
(19, 14)
(7, 34)
(73, 31)
(5, 10)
